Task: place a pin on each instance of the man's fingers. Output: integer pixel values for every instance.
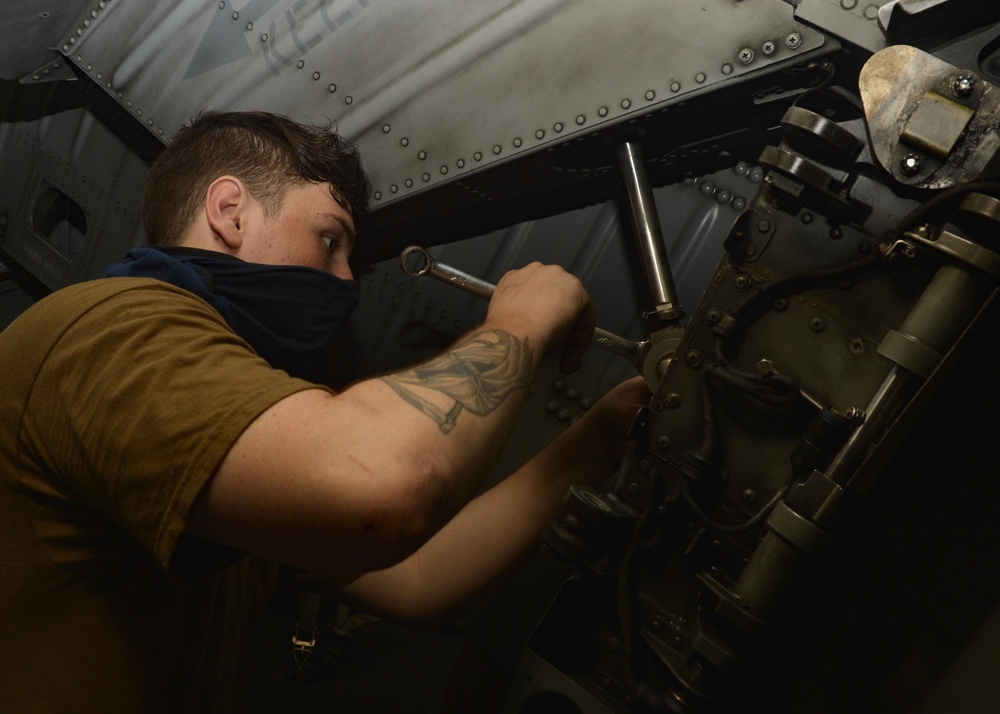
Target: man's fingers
(578, 341)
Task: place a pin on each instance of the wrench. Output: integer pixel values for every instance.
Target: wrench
(635, 352)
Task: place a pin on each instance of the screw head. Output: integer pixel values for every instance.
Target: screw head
(964, 86)
(911, 165)
(793, 41)
(746, 55)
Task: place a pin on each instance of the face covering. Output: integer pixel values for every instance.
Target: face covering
(290, 315)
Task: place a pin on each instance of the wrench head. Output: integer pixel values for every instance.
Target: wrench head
(415, 261)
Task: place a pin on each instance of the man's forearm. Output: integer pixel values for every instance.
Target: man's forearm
(490, 536)
(475, 375)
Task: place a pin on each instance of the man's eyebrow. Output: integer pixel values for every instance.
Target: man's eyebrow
(345, 224)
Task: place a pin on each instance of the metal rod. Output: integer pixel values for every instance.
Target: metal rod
(646, 223)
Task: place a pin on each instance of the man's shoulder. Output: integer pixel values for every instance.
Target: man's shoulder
(111, 294)
(96, 291)
(101, 304)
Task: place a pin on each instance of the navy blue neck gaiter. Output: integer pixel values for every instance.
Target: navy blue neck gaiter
(290, 315)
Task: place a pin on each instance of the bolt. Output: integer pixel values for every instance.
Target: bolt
(911, 165)
(746, 55)
(855, 414)
(817, 324)
(764, 226)
(673, 400)
(780, 305)
(749, 496)
(793, 41)
(964, 86)
(765, 367)
(663, 443)
(742, 282)
(713, 316)
(692, 358)
(769, 47)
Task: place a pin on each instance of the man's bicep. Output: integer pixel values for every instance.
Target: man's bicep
(310, 483)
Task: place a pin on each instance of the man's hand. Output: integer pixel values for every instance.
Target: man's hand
(612, 416)
(550, 306)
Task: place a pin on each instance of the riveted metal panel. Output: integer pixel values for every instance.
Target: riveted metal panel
(72, 202)
(32, 30)
(435, 90)
(854, 20)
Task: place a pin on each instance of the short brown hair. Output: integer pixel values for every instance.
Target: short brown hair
(268, 152)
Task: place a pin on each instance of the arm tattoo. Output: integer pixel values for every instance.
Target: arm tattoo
(477, 374)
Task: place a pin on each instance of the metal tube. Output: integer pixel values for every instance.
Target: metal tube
(646, 224)
(949, 301)
(879, 410)
(936, 320)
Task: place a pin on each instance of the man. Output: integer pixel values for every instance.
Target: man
(164, 443)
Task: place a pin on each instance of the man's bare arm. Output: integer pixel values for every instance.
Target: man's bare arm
(476, 376)
(357, 481)
(500, 528)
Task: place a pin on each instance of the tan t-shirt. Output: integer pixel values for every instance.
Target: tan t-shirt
(119, 399)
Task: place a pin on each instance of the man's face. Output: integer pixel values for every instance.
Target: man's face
(310, 229)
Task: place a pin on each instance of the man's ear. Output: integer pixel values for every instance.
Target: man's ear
(226, 204)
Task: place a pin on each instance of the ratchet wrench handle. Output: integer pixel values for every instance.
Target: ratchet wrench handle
(416, 261)
(445, 273)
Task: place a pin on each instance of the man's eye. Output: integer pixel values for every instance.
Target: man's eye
(330, 243)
